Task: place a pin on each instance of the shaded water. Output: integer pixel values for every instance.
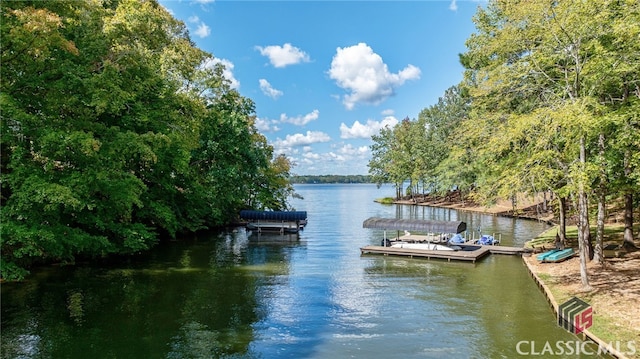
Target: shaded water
(237, 295)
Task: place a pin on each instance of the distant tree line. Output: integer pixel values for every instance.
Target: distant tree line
(550, 102)
(116, 130)
(331, 179)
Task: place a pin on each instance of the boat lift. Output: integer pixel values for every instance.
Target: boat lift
(429, 226)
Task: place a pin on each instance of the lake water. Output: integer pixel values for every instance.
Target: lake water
(239, 295)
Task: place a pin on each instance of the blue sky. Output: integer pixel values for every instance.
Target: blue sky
(326, 75)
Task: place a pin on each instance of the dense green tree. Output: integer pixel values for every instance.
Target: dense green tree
(613, 76)
(418, 150)
(276, 188)
(115, 130)
(440, 122)
(551, 103)
(381, 164)
(406, 154)
(537, 63)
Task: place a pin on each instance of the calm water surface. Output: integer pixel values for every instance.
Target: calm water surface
(239, 295)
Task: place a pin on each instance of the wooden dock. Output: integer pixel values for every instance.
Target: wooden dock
(469, 253)
(508, 250)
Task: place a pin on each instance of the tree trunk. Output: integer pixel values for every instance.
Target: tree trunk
(598, 254)
(583, 224)
(562, 220)
(410, 189)
(628, 209)
(583, 237)
(628, 222)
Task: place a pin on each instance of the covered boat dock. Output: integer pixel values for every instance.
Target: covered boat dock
(466, 252)
(415, 225)
(275, 221)
(436, 231)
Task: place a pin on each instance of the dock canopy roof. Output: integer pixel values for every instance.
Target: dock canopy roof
(415, 225)
(273, 215)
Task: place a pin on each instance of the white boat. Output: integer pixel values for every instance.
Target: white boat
(424, 246)
(441, 238)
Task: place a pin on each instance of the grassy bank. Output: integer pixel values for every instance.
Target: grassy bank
(385, 200)
(615, 297)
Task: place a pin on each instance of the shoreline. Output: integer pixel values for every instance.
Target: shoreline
(615, 297)
(526, 208)
(586, 335)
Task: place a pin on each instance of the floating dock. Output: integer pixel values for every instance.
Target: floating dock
(468, 253)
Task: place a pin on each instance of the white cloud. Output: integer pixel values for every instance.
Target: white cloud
(362, 72)
(387, 112)
(367, 130)
(291, 145)
(311, 156)
(453, 6)
(345, 160)
(168, 10)
(281, 56)
(336, 157)
(300, 120)
(266, 125)
(299, 139)
(228, 70)
(322, 158)
(268, 90)
(204, 1)
(349, 150)
(271, 125)
(202, 29)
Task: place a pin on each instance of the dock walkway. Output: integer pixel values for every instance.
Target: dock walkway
(469, 253)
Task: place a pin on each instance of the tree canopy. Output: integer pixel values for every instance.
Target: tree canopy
(551, 96)
(116, 130)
